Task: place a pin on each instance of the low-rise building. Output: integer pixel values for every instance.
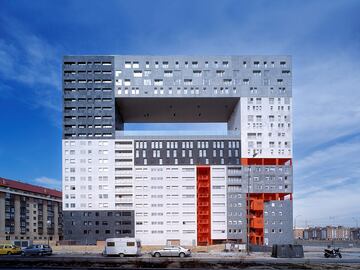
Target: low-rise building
(298, 233)
(354, 233)
(327, 233)
(337, 233)
(29, 212)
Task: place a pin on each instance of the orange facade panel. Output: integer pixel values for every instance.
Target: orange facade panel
(265, 161)
(203, 205)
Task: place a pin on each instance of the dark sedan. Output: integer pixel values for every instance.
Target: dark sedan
(37, 250)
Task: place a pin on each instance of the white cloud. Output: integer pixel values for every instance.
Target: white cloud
(326, 100)
(30, 60)
(327, 183)
(340, 203)
(326, 137)
(48, 182)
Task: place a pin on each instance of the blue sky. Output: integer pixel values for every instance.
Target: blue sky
(323, 38)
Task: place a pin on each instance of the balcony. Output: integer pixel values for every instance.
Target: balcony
(123, 163)
(203, 204)
(123, 173)
(124, 206)
(123, 190)
(203, 185)
(257, 205)
(123, 146)
(123, 182)
(257, 223)
(123, 200)
(203, 222)
(234, 172)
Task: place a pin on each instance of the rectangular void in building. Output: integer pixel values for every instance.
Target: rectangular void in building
(178, 110)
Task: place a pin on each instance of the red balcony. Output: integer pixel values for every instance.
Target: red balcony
(257, 223)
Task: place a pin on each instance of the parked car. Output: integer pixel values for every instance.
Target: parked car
(22, 243)
(39, 250)
(122, 247)
(172, 251)
(8, 249)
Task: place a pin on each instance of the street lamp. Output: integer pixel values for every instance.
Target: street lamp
(248, 210)
(48, 223)
(295, 220)
(333, 230)
(356, 222)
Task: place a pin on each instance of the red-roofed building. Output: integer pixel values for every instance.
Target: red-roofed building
(30, 212)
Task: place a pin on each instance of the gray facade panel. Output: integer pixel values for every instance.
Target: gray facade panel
(87, 227)
(88, 97)
(203, 76)
(236, 205)
(262, 179)
(187, 152)
(278, 222)
(266, 179)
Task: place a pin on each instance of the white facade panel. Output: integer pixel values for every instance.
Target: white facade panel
(165, 204)
(124, 174)
(88, 175)
(218, 203)
(266, 127)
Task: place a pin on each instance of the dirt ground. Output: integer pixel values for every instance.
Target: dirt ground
(96, 249)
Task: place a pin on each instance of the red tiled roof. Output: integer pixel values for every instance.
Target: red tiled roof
(30, 188)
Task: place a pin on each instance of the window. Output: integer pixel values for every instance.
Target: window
(135, 64)
(187, 81)
(147, 82)
(158, 82)
(138, 73)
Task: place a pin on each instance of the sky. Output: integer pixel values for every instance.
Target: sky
(323, 38)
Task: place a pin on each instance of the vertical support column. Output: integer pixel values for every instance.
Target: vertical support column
(17, 214)
(45, 219)
(56, 221)
(203, 205)
(2, 218)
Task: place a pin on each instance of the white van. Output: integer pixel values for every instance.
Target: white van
(122, 247)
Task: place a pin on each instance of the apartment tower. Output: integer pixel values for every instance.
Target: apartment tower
(183, 188)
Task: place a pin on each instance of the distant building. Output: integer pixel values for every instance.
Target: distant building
(355, 234)
(337, 233)
(29, 212)
(298, 233)
(327, 233)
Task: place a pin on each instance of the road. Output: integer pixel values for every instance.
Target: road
(198, 261)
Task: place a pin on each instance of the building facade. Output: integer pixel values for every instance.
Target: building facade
(327, 233)
(29, 212)
(180, 188)
(298, 233)
(355, 233)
